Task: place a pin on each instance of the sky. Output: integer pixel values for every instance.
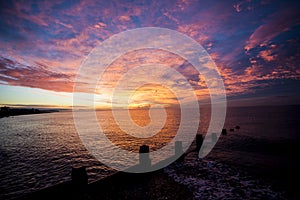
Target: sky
(254, 44)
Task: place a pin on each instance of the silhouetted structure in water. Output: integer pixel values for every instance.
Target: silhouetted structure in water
(224, 131)
(199, 142)
(79, 176)
(237, 127)
(179, 151)
(214, 137)
(145, 161)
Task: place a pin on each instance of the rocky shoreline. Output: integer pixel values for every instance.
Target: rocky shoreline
(208, 179)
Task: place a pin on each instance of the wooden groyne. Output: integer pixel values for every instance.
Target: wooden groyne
(120, 185)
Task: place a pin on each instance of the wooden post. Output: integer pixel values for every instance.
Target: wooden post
(79, 176)
(199, 142)
(179, 151)
(214, 137)
(145, 156)
(178, 148)
(224, 131)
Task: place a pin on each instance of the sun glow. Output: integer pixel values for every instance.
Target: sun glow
(152, 95)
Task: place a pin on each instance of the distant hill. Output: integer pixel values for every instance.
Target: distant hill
(7, 111)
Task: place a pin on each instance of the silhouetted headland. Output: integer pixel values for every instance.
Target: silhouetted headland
(7, 111)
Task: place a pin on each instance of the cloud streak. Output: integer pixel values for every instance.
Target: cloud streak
(38, 76)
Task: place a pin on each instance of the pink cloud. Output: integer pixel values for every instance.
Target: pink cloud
(237, 7)
(39, 76)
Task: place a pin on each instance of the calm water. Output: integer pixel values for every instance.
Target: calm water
(37, 151)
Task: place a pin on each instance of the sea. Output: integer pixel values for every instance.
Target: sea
(38, 151)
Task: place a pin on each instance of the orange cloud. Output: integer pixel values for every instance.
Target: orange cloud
(267, 55)
(124, 18)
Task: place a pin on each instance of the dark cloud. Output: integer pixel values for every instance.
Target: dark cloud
(38, 76)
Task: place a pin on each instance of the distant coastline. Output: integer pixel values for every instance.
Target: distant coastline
(7, 111)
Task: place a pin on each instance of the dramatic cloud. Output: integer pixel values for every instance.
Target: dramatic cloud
(255, 44)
